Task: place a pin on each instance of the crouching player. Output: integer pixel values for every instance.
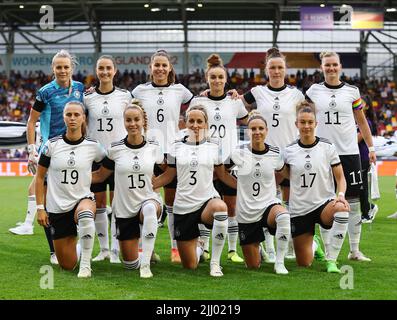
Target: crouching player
(313, 163)
(69, 203)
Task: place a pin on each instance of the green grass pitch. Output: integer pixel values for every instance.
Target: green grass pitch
(21, 258)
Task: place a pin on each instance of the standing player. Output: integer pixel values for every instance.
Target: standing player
(195, 159)
(49, 105)
(313, 163)
(394, 215)
(276, 102)
(69, 201)
(223, 111)
(105, 108)
(339, 108)
(257, 204)
(162, 99)
(132, 159)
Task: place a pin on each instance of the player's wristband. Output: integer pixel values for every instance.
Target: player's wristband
(31, 148)
(371, 149)
(341, 194)
(40, 207)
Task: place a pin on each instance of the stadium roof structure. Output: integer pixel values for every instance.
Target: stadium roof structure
(86, 24)
(89, 11)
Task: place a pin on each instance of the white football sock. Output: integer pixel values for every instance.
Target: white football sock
(218, 235)
(232, 233)
(170, 215)
(269, 241)
(283, 234)
(354, 227)
(205, 236)
(114, 243)
(149, 231)
(132, 265)
(102, 228)
(326, 237)
(338, 233)
(86, 225)
(31, 212)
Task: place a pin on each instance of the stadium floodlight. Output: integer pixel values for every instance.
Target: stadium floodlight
(155, 9)
(190, 9)
(21, 6)
(199, 4)
(43, 6)
(146, 5)
(322, 5)
(172, 9)
(391, 9)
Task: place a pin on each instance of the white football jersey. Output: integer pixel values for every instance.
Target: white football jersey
(162, 106)
(195, 168)
(69, 171)
(105, 115)
(256, 182)
(133, 170)
(311, 177)
(335, 106)
(278, 107)
(222, 115)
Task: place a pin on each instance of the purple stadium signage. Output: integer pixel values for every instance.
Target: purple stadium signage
(316, 18)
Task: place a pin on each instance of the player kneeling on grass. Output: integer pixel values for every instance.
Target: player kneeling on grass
(257, 204)
(132, 159)
(194, 160)
(67, 161)
(313, 163)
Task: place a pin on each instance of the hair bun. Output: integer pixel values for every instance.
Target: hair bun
(273, 51)
(214, 60)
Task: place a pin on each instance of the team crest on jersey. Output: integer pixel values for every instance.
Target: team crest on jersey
(276, 105)
(71, 161)
(308, 166)
(242, 235)
(332, 104)
(105, 110)
(257, 174)
(160, 100)
(193, 163)
(136, 167)
(217, 117)
(77, 94)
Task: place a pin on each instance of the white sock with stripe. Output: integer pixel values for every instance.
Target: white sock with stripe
(85, 220)
(171, 231)
(338, 233)
(326, 237)
(102, 228)
(218, 236)
(149, 231)
(232, 233)
(354, 226)
(205, 236)
(31, 212)
(283, 234)
(132, 265)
